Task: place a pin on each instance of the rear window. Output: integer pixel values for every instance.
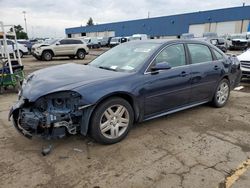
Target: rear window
(199, 53)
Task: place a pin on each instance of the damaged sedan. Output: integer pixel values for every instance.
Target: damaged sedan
(133, 82)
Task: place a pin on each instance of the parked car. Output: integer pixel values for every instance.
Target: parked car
(187, 36)
(26, 43)
(248, 38)
(125, 39)
(244, 59)
(115, 41)
(62, 47)
(103, 41)
(139, 37)
(238, 42)
(92, 42)
(220, 43)
(133, 82)
(210, 35)
(11, 47)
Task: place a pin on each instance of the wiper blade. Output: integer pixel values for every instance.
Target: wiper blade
(107, 68)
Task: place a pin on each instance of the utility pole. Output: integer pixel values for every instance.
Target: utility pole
(148, 14)
(24, 16)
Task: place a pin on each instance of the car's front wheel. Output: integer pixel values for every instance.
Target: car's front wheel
(111, 121)
(221, 94)
(47, 56)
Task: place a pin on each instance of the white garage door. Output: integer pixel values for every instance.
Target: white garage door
(197, 29)
(223, 28)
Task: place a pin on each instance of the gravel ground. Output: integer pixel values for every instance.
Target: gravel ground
(201, 147)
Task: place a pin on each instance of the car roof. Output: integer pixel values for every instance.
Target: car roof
(169, 41)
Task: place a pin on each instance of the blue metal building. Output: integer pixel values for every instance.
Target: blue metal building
(173, 25)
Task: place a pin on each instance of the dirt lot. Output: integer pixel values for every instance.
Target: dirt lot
(201, 147)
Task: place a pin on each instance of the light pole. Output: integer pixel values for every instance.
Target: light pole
(24, 16)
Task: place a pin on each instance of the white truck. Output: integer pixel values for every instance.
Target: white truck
(139, 37)
(244, 59)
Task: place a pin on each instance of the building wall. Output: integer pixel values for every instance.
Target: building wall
(170, 25)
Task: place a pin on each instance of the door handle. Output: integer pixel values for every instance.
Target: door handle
(216, 67)
(183, 74)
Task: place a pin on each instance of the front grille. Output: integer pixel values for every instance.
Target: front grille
(245, 64)
(239, 43)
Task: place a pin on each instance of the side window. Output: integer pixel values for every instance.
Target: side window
(174, 55)
(218, 55)
(199, 53)
(9, 42)
(63, 42)
(77, 42)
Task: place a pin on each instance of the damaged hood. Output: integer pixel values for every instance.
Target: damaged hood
(62, 78)
(244, 56)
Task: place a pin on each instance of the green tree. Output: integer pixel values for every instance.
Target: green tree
(20, 34)
(90, 22)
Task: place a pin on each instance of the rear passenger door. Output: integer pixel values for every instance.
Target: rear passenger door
(205, 72)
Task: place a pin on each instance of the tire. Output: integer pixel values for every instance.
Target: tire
(80, 54)
(221, 94)
(47, 56)
(20, 52)
(107, 125)
(72, 57)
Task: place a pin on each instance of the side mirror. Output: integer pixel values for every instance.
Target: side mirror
(161, 66)
(57, 43)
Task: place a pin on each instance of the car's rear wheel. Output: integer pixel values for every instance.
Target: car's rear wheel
(80, 54)
(221, 94)
(111, 121)
(47, 55)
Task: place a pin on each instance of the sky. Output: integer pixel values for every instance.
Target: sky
(46, 18)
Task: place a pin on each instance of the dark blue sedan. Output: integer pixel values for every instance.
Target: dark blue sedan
(133, 82)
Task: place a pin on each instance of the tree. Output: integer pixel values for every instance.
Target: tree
(20, 34)
(90, 22)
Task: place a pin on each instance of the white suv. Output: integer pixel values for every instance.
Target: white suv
(63, 47)
(11, 47)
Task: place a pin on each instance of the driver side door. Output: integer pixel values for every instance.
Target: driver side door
(166, 90)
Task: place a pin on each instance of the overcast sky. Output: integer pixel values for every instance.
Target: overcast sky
(49, 18)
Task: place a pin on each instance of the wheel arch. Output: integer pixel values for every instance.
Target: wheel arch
(124, 95)
(80, 49)
(49, 50)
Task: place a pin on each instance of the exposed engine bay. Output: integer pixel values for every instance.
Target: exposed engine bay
(51, 116)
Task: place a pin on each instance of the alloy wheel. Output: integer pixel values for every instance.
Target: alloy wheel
(114, 121)
(222, 93)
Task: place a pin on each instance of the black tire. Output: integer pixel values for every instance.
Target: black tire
(98, 115)
(80, 54)
(72, 57)
(217, 99)
(20, 52)
(47, 56)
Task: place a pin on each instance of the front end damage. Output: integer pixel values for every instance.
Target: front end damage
(51, 116)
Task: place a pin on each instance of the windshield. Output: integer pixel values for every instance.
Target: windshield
(136, 38)
(49, 42)
(114, 40)
(86, 40)
(238, 37)
(127, 57)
